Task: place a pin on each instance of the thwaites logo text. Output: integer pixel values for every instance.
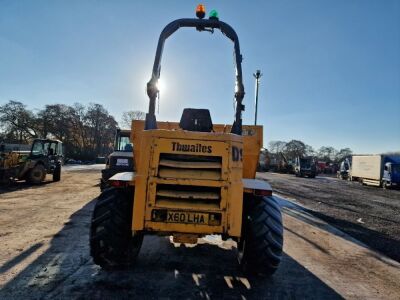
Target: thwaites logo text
(197, 148)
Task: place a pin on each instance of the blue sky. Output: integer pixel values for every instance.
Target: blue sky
(331, 68)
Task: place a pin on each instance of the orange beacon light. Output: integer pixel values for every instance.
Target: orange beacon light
(200, 11)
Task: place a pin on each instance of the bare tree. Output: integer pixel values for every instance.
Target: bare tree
(327, 153)
(310, 151)
(56, 120)
(294, 148)
(276, 146)
(342, 154)
(101, 126)
(86, 131)
(19, 123)
(128, 116)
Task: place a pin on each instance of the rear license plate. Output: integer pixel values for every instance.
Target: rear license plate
(187, 217)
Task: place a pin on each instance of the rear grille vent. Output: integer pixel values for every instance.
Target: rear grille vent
(188, 196)
(190, 166)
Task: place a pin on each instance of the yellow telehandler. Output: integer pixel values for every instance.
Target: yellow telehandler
(45, 157)
(191, 179)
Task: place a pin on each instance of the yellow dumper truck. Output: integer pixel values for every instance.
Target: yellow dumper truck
(192, 178)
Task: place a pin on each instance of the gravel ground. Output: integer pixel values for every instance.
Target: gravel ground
(45, 255)
(370, 214)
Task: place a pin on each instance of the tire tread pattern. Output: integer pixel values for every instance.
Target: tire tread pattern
(57, 173)
(111, 243)
(263, 235)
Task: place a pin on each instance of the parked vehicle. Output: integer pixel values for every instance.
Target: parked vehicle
(377, 170)
(45, 157)
(277, 162)
(20, 148)
(321, 167)
(305, 166)
(120, 160)
(344, 170)
(191, 179)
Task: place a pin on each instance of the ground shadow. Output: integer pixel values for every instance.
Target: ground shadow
(23, 185)
(65, 270)
(204, 273)
(66, 253)
(23, 255)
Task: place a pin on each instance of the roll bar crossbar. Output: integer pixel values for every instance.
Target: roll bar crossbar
(200, 25)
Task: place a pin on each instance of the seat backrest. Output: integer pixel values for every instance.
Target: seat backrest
(196, 120)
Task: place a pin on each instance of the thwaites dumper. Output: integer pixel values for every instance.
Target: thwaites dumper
(192, 178)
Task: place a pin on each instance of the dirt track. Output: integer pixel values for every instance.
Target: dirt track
(370, 214)
(44, 255)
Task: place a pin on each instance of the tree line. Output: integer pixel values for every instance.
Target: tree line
(87, 131)
(295, 148)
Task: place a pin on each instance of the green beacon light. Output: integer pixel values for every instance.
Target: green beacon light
(213, 15)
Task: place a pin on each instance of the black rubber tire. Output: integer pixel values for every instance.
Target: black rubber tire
(103, 185)
(111, 243)
(57, 173)
(37, 174)
(260, 250)
(5, 182)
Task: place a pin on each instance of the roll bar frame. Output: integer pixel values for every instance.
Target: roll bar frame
(200, 25)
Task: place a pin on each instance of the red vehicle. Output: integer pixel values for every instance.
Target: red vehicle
(321, 166)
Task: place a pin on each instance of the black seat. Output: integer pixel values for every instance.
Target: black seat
(196, 120)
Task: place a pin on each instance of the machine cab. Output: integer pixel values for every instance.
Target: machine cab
(391, 174)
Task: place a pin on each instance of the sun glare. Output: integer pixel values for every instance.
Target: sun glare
(161, 86)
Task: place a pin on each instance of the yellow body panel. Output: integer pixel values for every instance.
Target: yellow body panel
(195, 176)
(9, 160)
(252, 142)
